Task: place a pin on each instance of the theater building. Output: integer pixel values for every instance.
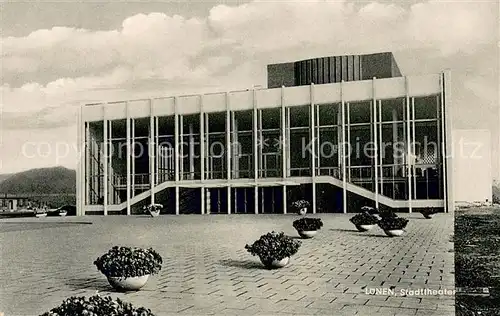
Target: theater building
(341, 132)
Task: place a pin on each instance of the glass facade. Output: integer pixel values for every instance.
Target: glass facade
(387, 148)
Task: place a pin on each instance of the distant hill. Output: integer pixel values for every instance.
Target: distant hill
(4, 177)
(41, 181)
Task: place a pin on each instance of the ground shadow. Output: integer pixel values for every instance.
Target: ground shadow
(89, 284)
(244, 264)
(345, 230)
(373, 235)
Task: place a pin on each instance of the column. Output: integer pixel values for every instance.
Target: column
(191, 152)
(105, 171)
(288, 137)
(157, 151)
(408, 147)
(398, 161)
(207, 142)
(228, 153)
(374, 140)
(129, 156)
(255, 133)
(151, 151)
(176, 154)
(80, 172)
(180, 157)
(313, 148)
(348, 127)
(284, 148)
(235, 147)
(450, 199)
(344, 149)
(87, 140)
(208, 200)
(413, 171)
(133, 155)
(111, 191)
(202, 155)
(380, 153)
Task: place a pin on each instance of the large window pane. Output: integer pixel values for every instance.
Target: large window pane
(300, 116)
(328, 147)
(328, 114)
(361, 147)
(360, 112)
(271, 118)
(393, 110)
(426, 107)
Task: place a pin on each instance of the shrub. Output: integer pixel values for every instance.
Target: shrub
(273, 246)
(393, 223)
(363, 219)
(308, 224)
(129, 262)
(96, 306)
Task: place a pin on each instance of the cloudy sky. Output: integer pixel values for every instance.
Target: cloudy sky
(57, 55)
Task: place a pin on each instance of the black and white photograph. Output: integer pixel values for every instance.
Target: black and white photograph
(265, 157)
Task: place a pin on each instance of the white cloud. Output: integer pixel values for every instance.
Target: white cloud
(159, 54)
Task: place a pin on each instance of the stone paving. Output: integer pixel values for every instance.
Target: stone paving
(207, 271)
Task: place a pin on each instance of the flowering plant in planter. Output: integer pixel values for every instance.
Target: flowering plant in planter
(363, 219)
(308, 224)
(273, 247)
(300, 204)
(370, 210)
(96, 306)
(307, 227)
(397, 223)
(154, 209)
(129, 262)
(388, 215)
(429, 212)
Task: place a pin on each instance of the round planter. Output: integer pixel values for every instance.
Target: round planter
(128, 284)
(307, 233)
(63, 213)
(394, 232)
(364, 228)
(41, 214)
(154, 214)
(303, 211)
(275, 264)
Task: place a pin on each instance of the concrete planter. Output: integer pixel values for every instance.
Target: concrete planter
(276, 264)
(41, 215)
(155, 213)
(128, 284)
(394, 232)
(63, 213)
(365, 228)
(308, 233)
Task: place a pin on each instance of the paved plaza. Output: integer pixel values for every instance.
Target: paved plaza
(207, 271)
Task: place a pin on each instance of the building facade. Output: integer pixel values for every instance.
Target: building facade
(340, 137)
